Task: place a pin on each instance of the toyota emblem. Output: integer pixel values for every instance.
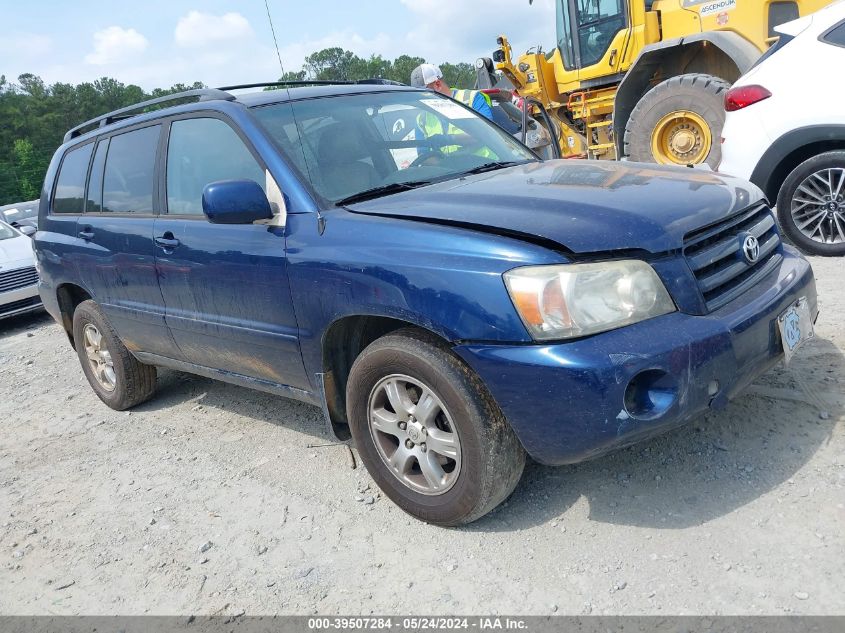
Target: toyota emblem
(751, 249)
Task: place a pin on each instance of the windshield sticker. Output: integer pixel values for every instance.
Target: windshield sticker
(448, 109)
(717, 7)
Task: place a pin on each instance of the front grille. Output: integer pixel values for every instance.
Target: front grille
(18, 278)
(9, 308)
(716, 256)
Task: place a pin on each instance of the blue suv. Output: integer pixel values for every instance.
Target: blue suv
(450, 301)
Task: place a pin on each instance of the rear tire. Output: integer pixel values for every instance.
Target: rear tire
(483, 461)
(117, 377)
(808, 182)
(699, 94)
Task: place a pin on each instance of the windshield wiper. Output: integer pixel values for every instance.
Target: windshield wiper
(383, 190)
(496, 164)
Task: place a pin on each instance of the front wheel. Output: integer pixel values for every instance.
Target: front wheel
(679, 122)
(811, 205)
(428, 432)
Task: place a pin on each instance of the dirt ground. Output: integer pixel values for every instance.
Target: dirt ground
(213, 499)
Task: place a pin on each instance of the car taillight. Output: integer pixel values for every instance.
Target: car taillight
(744, 96)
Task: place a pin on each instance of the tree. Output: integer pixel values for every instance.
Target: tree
(460, 75)
(35, 116)
(334, 64)
(29, 169)
(403, 66)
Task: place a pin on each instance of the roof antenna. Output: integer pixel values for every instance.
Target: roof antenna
(273, 31)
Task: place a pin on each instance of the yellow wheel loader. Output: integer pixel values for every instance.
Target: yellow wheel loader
(644, 79)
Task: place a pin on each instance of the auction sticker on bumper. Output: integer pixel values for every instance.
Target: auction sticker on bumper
(796, 327)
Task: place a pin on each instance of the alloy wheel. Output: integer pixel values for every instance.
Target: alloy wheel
(99, 357)
(414, 435)
(818, 206)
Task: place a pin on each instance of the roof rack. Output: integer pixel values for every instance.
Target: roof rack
(304, 82)
(203, 94)
(314, 82)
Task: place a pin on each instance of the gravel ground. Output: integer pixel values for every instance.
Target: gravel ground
(217, 499)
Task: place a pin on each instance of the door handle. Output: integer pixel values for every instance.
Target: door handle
(167, 242)
(86, 234)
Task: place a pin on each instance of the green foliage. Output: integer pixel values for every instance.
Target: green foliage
(337, 64)
(34, 117)
(28, 165)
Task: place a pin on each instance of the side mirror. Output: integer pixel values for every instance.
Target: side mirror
(28, 230)
(235, 202)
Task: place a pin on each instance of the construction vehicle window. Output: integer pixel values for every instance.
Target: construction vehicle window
(564, 34)
(781, 13)
(598, 23)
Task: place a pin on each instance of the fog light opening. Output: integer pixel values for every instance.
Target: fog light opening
(650, 394)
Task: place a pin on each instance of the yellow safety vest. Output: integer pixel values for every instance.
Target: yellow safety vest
(431, 125)
(468, 96)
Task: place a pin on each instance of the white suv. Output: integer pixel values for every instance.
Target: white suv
(785, 129)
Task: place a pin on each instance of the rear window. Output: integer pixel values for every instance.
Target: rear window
(70, 185)
(129, 173)
(836, 35)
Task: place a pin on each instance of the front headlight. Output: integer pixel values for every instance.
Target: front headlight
(571, 300)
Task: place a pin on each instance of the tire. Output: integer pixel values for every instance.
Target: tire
(829, 166)
(490, 458)
(700, 94)
(133, 382)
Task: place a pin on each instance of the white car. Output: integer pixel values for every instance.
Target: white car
(785, 129)
(18, 277)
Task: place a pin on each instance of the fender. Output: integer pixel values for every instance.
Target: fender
(774, 165)
(739, 51)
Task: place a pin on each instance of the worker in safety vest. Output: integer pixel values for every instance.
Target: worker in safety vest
(431, 77)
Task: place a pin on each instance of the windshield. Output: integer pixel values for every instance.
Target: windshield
(349, 144)
(7, 232)
(23, 211)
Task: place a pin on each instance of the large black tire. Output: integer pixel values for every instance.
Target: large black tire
(699, 93)
(491, 456)
(835, 208)
(134, 382)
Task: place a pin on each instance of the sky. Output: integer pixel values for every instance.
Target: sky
(157, 43)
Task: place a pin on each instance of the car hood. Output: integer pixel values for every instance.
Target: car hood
(16, 251)
(583, 206)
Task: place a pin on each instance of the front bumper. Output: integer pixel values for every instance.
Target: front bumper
(569, 402)
(19, 301)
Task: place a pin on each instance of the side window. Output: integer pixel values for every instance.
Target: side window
(202, 151)
(836, 35)
(279, 121)
(94, 203)
(130, 170)
(70, 185)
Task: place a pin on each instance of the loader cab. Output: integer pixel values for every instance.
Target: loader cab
(587, 30)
